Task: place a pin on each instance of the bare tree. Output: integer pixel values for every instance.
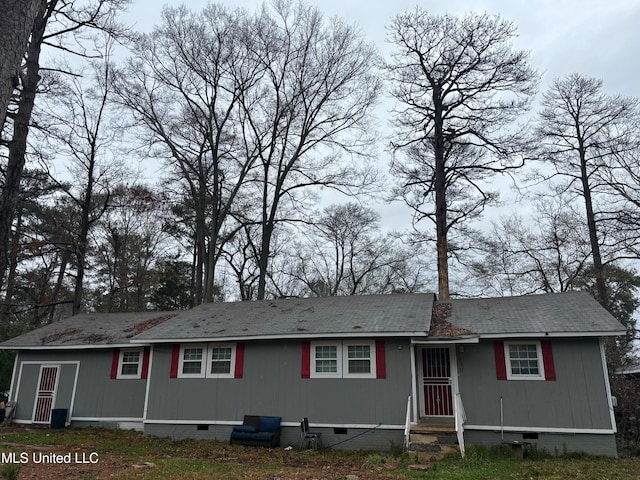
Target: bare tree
(129, 239)
(310, 117)
(16, 23)
(184, 86)
(57, 24)
(460, 84)
(17, 146)
(548, 252)
(343, 252)
(580, 130)
(80, 130)
(623, 177)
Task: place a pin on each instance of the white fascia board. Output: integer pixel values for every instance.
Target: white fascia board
(551, 334)
(281, 337)
(498, 428)
(76, 347)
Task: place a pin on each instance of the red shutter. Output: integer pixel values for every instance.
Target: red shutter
(306, 360)
(501, 366)
(547, 359)
(175, 360)
(239, 361)
(381, 360)
(145, 363)
(115, 359)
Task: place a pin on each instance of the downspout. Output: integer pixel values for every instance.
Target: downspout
(501, 422)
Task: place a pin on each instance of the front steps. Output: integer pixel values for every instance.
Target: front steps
(431, 439)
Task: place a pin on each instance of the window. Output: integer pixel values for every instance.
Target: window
(355, 359)
(129, 363)
(206, 361)
(325, 360)
(191, 361)
(359, 360)
(222, 361)
(524, 360)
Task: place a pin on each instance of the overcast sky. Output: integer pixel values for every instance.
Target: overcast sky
(598, 38)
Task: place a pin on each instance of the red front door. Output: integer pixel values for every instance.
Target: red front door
(436, 367)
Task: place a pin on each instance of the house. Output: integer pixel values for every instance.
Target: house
(84, 364)
(365, 370)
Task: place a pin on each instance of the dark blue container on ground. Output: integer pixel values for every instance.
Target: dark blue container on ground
(59, 417)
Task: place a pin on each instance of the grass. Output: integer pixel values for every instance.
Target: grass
(121, 452)
(496, 463)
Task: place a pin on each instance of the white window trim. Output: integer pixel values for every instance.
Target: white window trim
(338, 372)
(342, 359)
(232, 367)
(507, 357)
(138, 375)
(372, 359)
(203, 364)
(207, 358)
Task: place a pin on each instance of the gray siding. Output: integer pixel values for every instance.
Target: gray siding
(96, 396)
(553, 443)
(26, 392)
(29, 384)
(576, 400)
(272, 385)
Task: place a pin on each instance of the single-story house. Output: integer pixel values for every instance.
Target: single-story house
(365, 370)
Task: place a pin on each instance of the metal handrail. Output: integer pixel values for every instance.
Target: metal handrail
(407, 425)
(460, 420)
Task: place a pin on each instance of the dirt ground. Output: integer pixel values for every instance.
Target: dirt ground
(72, 466)
(82, 463)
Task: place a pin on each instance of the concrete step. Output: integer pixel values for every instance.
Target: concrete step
(433, 440)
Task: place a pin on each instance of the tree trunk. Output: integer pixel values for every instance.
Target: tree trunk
(64, 261)
(13, 264)
(601, 287)
(18, 144)
(201, 252)
(441, 198)
(263, 260)
(82, 246)
(16, 24)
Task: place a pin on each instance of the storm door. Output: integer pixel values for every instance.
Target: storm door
(436, 368)
(45, 396)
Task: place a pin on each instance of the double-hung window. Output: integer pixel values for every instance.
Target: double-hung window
(130, 363)
(191, 360)
(359, 360)
(221, 360)
(524, 361)
(343, 359)
(207, 361)
(326, 360)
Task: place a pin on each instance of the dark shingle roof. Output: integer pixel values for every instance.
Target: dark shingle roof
(361, 315)
(89, 329)
(572, 313)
